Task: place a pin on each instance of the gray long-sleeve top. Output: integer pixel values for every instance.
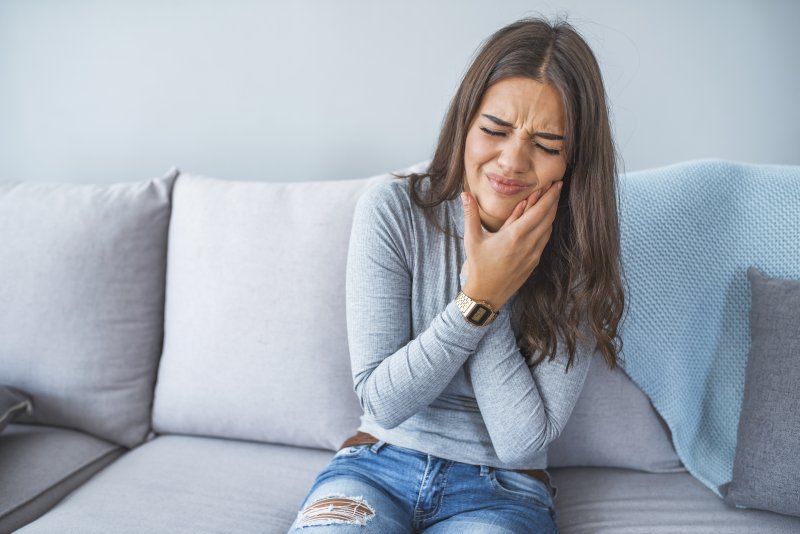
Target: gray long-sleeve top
(427, 379)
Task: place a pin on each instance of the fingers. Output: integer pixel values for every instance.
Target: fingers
(546, 222)
(472, 219)
(554, 187)
(548, 201)
(536, 221)
(519, 209)
(534, 197)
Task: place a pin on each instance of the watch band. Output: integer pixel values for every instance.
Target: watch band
(477, 312)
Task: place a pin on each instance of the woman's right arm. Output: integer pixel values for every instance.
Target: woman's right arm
(394, 375)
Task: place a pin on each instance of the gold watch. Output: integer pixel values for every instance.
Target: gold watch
(477, 312)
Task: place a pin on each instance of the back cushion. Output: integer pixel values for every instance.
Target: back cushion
(255, 333)
(614, 424)
(82, 270)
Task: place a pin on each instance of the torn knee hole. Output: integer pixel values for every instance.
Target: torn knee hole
(332, 510)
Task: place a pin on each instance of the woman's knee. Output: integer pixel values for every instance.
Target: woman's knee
(335, 510)
(349, 506)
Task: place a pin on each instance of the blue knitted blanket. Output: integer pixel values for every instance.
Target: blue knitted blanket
(689, 232)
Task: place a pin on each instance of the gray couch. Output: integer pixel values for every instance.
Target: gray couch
(183, 342)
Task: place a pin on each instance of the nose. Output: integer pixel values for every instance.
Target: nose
(514, 157)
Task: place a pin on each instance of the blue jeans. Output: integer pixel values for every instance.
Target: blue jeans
(386, 489)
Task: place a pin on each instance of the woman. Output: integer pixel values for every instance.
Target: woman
(477, 293)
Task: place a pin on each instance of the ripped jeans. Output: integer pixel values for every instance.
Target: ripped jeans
(386, 489)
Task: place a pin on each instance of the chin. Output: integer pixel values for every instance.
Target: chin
(496, 212)
(499, 207)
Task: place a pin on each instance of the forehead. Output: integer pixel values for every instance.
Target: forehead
(527, 104)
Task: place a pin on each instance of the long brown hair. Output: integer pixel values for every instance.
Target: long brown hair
(579, 276)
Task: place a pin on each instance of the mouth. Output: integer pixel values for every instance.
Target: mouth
(506, 186)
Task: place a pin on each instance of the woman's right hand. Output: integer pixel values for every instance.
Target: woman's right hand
(499, 263)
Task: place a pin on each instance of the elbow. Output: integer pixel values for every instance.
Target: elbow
(520, 451)
(384, 418)
(514, 456)
(380, 414)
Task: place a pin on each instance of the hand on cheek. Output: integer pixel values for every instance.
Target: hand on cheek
(534, 197)
(498, 263)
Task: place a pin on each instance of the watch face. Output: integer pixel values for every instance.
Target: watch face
(479, 314)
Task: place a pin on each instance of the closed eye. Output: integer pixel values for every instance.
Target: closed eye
(495, 133)
(492, 132)
(551, 151)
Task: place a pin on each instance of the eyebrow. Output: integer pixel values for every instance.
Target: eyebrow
(544, 135)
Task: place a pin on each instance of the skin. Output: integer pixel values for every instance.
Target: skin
(518, 220)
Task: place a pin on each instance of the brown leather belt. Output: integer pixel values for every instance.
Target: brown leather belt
(363, 438)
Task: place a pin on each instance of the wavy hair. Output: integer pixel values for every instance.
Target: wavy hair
(579, 277)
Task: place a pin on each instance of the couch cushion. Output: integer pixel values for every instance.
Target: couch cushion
(82, 323)
(216, 486)
(255, 312)
(596, 500)
(614, 424)
(39, 465)
(177, 484)
(766, 469)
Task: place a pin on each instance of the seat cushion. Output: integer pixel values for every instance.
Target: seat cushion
(597, 500)
(39, 465)
(185, 484)
(192, 485)
(82, 323)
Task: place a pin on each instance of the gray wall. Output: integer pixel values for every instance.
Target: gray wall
(95, 91)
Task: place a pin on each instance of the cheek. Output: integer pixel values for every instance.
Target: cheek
(477, 150)
(550, 168)
(471, 162)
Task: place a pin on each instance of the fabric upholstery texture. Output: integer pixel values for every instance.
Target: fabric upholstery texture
(13, 402)
(82, 323)
(39, 465)
(610, 411)
(766, 469)
(208, 485)
(255, 312)
(218, 486)
(689, 233)
(599, 500)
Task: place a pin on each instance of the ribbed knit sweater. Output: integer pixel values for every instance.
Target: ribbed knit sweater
(426, 378)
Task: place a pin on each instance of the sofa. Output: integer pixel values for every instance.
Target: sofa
(180, 345)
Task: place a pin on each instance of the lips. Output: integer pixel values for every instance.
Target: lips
(506, 186)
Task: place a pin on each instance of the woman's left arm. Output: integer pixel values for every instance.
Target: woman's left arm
(524, 409)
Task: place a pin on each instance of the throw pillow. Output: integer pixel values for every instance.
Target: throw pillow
(12, 403)
(766, 470)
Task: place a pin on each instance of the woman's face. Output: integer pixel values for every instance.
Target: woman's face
(514, 146)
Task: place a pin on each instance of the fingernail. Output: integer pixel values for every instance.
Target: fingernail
(464, 198)
(560, 184)
(524, 203)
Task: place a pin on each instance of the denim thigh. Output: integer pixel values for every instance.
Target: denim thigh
(383, 488)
